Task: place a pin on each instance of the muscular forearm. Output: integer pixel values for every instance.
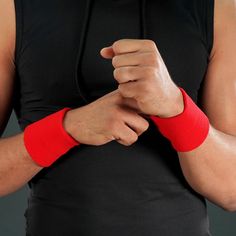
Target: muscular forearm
(210, 168)
(16, 166)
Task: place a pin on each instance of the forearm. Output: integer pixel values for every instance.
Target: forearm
(210, 168)
(16, 166)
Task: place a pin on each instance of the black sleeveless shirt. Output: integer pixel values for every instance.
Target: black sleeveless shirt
(108, 190)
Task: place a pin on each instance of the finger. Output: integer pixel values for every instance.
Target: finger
(135, 59)
(126, 74)
(107, 52)
(130, 89)
(131, 73)
(136, 122)
(132, 45)
(126, 136)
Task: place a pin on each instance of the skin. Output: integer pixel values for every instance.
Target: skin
(143, 77)
(110, 117)
(139, 69)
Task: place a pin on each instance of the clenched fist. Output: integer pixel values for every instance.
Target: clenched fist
(143, 76)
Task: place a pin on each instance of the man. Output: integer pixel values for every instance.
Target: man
(209, 169)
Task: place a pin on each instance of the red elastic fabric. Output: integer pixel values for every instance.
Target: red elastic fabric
(46, 139)
(187, 130)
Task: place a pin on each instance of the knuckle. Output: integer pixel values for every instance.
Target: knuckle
(116, 73)
(150, 43)
(114, 61)
(133, 138)
(116, 47)
(145, 125)
(153, 58)
(127, 143)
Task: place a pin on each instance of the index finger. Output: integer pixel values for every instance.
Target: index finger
(123, 46)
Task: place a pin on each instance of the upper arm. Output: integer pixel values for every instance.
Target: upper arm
(7, 68)
(219, 88)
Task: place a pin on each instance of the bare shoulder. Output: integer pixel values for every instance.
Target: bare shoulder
(7, 66)
(224, 22)
(7, 27)
(219, 90)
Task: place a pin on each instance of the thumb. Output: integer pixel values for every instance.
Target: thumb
(131, 102)
(107, 52)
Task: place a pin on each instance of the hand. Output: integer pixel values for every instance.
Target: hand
(143, 76)
(111, 117)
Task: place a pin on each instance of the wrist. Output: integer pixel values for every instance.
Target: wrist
(176, 107)
(67, 123)
(46, 139)
(187, 130)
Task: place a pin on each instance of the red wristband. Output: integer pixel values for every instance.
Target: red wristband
(187, 130)
(46, 139)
